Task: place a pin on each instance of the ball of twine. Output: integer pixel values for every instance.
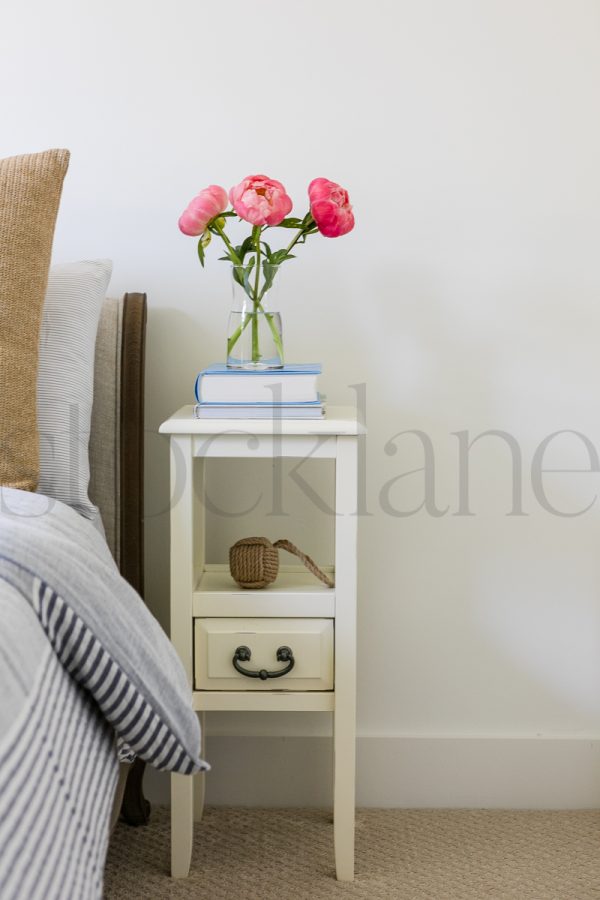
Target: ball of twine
(254, 562)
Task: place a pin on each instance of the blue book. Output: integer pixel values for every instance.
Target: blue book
(267, 404)
(289, 369)
(294, 383)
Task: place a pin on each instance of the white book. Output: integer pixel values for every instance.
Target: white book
(291, 384)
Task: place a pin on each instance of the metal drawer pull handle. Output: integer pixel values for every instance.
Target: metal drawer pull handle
(243, 654)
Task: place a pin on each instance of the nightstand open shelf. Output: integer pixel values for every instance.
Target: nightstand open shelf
(288, 647)
(295, 593)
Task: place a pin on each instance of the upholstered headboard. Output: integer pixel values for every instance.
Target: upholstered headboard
(117, 433)
(117, 475)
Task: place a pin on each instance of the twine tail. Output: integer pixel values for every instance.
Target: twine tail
(308, 562)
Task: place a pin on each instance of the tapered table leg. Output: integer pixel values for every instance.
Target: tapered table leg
(183, 516)
(200, 778)
(343, 797)
(182, 824)
(344, 723)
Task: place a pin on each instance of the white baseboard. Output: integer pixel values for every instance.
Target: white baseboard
(453, 772)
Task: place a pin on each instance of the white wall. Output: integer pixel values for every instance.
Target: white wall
(466, 298)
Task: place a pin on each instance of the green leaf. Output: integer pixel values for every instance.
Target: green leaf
(238, 275)
(201, 252)
(247, 274)
(280, 256)
(247, 246)
(290, 222)
(269, 271)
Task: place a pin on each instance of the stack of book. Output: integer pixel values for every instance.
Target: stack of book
(287, 393)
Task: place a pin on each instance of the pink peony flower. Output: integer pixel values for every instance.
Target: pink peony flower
(209, 203)
(260, 200)
(330, 207)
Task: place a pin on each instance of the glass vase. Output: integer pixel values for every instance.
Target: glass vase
(254, 333)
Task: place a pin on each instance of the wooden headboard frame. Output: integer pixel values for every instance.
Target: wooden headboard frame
(135, 809)
(133, 353)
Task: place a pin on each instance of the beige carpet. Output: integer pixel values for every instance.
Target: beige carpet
(400, 855)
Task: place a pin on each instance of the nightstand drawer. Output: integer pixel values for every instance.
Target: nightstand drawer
(263, 654)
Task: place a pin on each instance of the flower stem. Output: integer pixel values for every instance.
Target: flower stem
(256, 301)
(233, 255)
(234, 338)
(295, 240)
(276, 336)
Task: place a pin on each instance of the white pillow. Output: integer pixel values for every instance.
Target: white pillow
(74, 298)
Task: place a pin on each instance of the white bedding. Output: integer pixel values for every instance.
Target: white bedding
(84, 670)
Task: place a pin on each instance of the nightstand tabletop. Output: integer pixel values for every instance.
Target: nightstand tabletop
(338, 420)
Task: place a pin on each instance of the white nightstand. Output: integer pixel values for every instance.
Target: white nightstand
(211, 617)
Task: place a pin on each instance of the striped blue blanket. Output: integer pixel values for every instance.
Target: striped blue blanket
(86, 677)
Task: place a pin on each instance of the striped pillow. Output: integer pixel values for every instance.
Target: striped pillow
(72, 307)
(140, 726)
(99, 628)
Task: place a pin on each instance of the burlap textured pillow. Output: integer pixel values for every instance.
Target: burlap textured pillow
(30, 188)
